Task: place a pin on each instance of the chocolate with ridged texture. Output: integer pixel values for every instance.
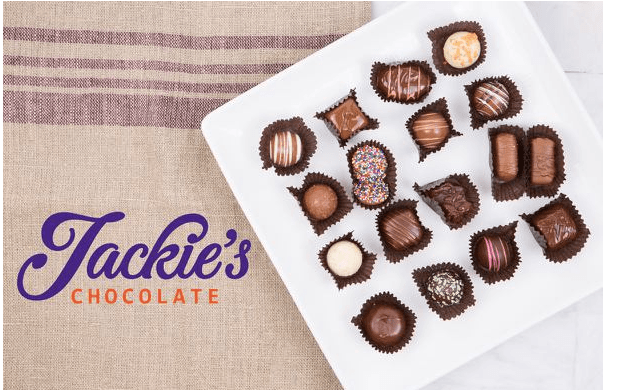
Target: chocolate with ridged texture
(492, 99)
(505, 156)
(346, 119)
(320, 201)
(558, 228)
(542, 155)
(408, 82)
(494, 254)
(451, 198)
(287, 145)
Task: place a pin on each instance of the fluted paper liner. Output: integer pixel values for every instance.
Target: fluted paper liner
(393, 255)
(390, 178)
(372, 123)
(516, 187)
(507, 232)
(439, 106)
(389, 299)
(363, 273)
(440, 35)
(570, 249)
(514, 107)
(422, 275)
(533, 191)
(343, 207)
(307, 137)
(378, 66)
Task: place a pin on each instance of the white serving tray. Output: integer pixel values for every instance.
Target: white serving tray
(539, 288)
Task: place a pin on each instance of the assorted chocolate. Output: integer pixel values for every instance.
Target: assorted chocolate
(458, 47)
(400, 231)
(385, 322)
(431, 128)
(287, 145)
(373, 173)
(558, 228)
(455, 199)
(546, 162)
(491, 99)
(447, 288)
(408, 82)
(346, 119)
(494, 254)
(323, 201)
(347, 261)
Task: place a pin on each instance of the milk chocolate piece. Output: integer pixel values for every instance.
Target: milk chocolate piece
(546, 161)
(385, 323)
(458, 47)
(320, 201)
(431, 127)
(287, 145)
(491, 99)
(542, 156)
(285, 148)
(347, 261)
(346, 119)
(559, 229)
(505, 156)
(507, 161)
(494, 254)
(408, 82)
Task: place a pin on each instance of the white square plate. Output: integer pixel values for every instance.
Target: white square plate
(538, 289)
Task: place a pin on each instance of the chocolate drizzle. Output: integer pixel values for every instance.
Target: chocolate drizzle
(408, 82)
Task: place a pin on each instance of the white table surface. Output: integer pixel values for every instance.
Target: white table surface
(565, 351)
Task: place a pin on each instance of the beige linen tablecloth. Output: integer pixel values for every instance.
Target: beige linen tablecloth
(102, 107)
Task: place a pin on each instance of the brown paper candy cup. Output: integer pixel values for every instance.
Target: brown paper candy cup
(440, 35)
(372, 123)
(422, 275)
(439, 106)
(507, 233)
(571, 247)
(343, 207)
(515, 188)
(471, 195)
(386, 298)
(390, 177)
(393, 255)
(514, 107)
(378, 67)
(363, 274)
(550, 189)
(307, 138)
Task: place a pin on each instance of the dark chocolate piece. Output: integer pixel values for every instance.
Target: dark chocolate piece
(558, 228)
(458, 47)
(431, 127)
(491, 99)
(385, 323)
(340, 259)
(455, 198)
(494, 254)
(507, 162)
(345, 119)
(447, 288)
(323, 201)
(546, 162)
(408, 82)
(287, 145)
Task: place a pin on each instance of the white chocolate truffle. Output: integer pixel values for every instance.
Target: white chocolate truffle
(344, 258)
(462, 49)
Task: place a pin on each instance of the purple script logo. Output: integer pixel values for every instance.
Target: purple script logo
(155, 258)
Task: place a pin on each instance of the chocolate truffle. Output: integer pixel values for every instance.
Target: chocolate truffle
(385, 324)
(320, 201)
(462, 49)
(542, 161)
(401, 229)
(371, 192)
(430, 130)
(285, 149)
(492, 253)
(491, 99)
(369, 162)
(451, 198)
(445, 288)
(344, 258)
(505, 156)
(556, 226)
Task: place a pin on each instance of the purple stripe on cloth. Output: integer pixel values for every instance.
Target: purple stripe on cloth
(106, 109)
(90, 63)
(93, 82)
(168, 40)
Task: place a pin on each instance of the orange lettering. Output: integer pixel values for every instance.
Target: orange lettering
(73, 298)
(90, 296)
(125, 299)
(196, 291)
(179, 297)
(213, 293)
(141, 294)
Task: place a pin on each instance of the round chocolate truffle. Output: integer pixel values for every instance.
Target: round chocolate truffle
(491, 99)
(462, 49)
(371, 192)
(401, 229)
(445, 288)
(285, 149)
(430, 130)
(344, 258)
(492, 253)
(320, 201)
(385, 324)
